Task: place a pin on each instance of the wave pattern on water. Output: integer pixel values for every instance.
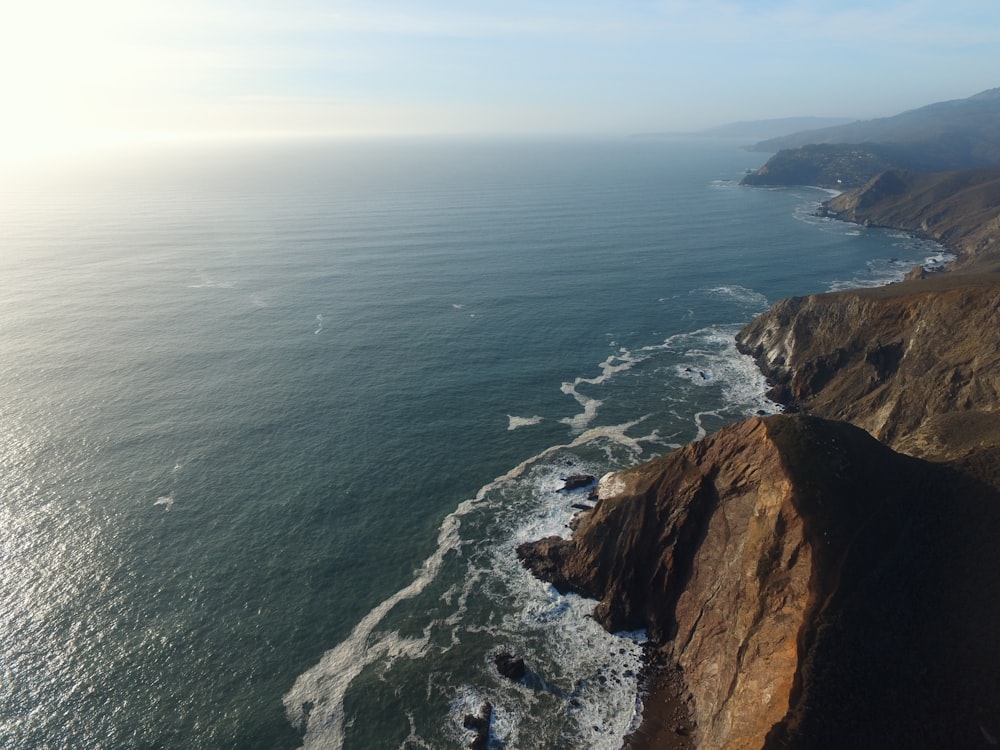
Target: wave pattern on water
(249, 395)
(582, 690)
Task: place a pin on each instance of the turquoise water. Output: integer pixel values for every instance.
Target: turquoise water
(274, 418)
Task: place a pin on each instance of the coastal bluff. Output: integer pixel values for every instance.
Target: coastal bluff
(916, 364)
(808, 586)
(828, 577)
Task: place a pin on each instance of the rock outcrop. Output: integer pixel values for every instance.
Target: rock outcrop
(799, 574)
(916, 364)
(960, 209)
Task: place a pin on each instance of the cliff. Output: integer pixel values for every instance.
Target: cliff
(801, 577)
(960, 209)
(828, 578)
(915, 364)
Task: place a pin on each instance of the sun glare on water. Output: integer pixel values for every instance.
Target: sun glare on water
(75, 76)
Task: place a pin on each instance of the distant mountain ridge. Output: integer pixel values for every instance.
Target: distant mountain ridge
(774, 128)
(956, 134)
(978, 117)
(752, 130)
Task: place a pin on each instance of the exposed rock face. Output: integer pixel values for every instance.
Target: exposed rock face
(510, 666)
(960, 209)
(904, 362)
(479, 726)
(786, 566)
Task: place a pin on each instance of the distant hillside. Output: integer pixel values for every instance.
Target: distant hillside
(959, 134)
(754, 130)
(783, 126)
(975, 120)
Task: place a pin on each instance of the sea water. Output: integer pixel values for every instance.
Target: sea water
(275, 416)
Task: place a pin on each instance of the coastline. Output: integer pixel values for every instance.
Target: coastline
(666, 719)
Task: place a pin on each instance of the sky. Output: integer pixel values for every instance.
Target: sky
(83, 71)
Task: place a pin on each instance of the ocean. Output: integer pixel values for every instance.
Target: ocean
(275, 416)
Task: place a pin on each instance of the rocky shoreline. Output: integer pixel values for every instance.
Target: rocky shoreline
(829, 577)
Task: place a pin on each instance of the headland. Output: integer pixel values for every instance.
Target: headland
(828, 577)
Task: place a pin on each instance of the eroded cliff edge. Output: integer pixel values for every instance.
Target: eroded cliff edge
(916, 364)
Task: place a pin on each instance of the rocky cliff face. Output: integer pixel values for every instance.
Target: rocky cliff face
(960, 209)
(767, 561)
(916, 364)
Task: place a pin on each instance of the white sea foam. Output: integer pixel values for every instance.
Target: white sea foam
(315, 703)
(740, 294)
(699, 419)
(882, 271)
(590, 406)
(614, 433)
(319, 324)
(517, 422)
(610, 367)
(208, 282)
(601, 700)
(167, 501)
(937, 260)
(711, 359)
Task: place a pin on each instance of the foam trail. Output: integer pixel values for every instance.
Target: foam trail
(590, 407)
(615, 433)
(316, 701)
(702, 432)
(610, 367)
(739, 294)
(517, 422)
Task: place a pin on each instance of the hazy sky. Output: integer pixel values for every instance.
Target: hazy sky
(72, 68)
